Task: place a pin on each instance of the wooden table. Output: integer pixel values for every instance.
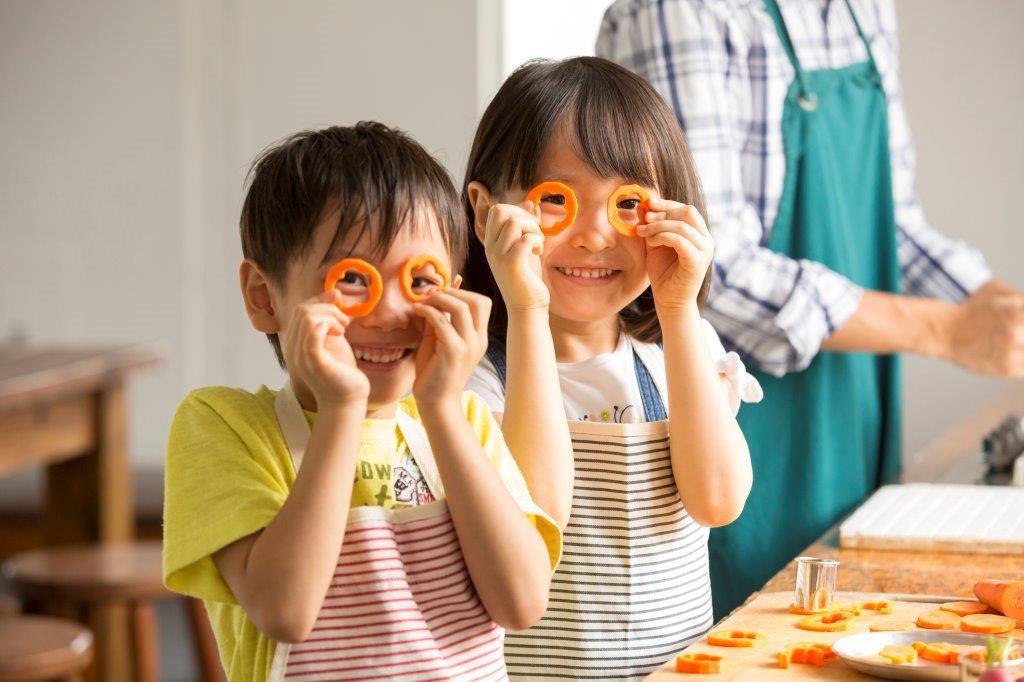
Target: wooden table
(65, 409)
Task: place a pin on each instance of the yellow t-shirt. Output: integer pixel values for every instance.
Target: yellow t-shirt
(228, 474)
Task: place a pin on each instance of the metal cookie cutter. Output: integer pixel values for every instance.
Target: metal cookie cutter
(815, 583)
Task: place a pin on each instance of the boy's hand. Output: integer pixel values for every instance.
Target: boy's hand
(514, 243)
(317, 353)
(679, 251)
(454, 340)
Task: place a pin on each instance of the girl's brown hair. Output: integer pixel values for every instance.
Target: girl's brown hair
(621, 127)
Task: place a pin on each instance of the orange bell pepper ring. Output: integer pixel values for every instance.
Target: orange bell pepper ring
(625, 192)
(375, 286)
(699, 664)
(418, 262)
(807, 653)
(571, 206)
(832, 621)
(735, 638)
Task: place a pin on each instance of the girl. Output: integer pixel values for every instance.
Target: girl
(365, 521)
(649, 392)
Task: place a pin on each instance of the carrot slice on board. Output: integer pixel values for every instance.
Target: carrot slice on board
(621, 224)
(964, 608)
(833, 621)
(807, 653)
(374, 285)
(735, 638)
(793, 608)
(899, 654)
(699, 664)
(890, 625)
(883, 606)
(556, 188)
(987, 623)
(418, 262)
(939, 620)
(1005, 596)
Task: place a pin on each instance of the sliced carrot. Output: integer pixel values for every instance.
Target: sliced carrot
(1005, 596)
(833, 621)
(899, 654)
(964, 608)
(418, 262)
(735, 638)
(374, 288)
(699, 664)
(625, 192)
(882, 607)
(939, 652)
(793, 608)
(571, 206)
(939, 620)
(987, 623)
(890, 625)
(808, 653)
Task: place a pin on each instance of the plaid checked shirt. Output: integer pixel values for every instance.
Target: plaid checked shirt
(719, 64)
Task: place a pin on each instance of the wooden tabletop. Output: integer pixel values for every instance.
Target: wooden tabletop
(30, 374)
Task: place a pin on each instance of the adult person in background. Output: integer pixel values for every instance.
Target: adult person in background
(826, 267)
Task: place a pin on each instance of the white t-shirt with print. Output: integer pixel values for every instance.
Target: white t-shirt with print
(605, 387)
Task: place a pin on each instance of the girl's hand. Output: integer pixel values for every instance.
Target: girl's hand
(514, 243)
(316, 352)
(679, 251)
(454, 340)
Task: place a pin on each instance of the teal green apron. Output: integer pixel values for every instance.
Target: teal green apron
(823, 438)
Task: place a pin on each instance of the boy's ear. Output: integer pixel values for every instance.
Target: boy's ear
(480, 198)
(259, 302)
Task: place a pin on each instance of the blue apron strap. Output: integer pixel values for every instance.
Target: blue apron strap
(654, 406)
(867, 43)
(808, 99)
(496, 354)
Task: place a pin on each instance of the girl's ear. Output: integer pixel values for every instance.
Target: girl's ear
(258, 298)
(480, 198)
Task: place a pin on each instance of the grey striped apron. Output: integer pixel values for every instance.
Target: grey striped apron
(632, 589)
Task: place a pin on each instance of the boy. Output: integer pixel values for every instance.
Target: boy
(442, 547)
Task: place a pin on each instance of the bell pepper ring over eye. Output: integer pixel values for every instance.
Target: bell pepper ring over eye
(570, 206)
(375, 287)
(418, 262)
(628, 192)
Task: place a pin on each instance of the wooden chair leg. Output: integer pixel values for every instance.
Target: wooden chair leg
(145, 642)
(205, 642)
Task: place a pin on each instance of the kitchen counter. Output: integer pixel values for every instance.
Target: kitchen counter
(953, 457)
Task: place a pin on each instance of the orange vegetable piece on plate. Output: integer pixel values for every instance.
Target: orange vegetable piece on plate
(556, 188)
(890, 625)
(735, 638)
(1005, 596)
(939, 620)
(699, 664)
(833, 621)
(408, 274)
(964, 608)
(808, 653)
(938, 652)
(899, 654)
(373, 283)
(987, 623)
(879, 606)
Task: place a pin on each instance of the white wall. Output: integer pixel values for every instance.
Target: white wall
(127, 129)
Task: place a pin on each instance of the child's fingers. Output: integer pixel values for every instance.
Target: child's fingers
(438, 321)
(479, 309)
(701, 241)
(678, 243)
(677, 211)
(457, 309)
(658, 204)
(527, 244)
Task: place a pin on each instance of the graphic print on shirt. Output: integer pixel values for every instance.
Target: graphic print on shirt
(619, 414)
(396, 486)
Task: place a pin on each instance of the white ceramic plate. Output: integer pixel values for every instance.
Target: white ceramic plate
(861, 652)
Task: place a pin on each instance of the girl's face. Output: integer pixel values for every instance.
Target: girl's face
(591, 270)
(384, 342)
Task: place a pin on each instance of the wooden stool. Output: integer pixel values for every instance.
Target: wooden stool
(93, 576)
(40, 648)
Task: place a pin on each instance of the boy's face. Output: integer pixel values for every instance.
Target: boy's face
(384, 342)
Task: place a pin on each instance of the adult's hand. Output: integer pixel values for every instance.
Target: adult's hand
(987, 332)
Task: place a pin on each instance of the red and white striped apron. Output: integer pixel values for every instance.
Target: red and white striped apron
(401, 604)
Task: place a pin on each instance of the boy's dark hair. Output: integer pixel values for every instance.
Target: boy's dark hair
(367, 173)
(621, 127)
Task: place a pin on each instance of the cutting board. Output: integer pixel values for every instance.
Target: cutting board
(967, 519)
(768, 614)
